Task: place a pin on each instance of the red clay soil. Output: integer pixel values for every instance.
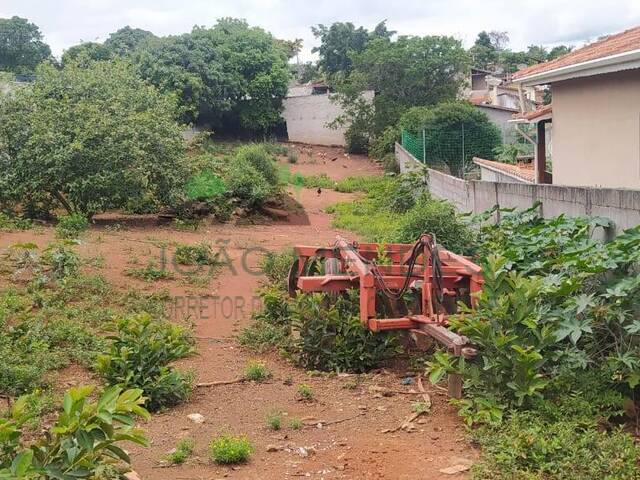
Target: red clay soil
(352, 448)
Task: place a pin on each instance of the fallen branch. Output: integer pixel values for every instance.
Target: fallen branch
(425, 395)
(334, 422)
(224, 382)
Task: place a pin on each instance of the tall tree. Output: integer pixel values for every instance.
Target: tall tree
(340, 40)
(127, 39)
(411, 71)
(86, 52)
(21, 45)
(230, 75)
(90, 138)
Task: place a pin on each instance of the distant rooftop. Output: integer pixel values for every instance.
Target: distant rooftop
(612, 49)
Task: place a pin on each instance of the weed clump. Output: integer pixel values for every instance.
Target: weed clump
(71, 226)
(228, 449)
(183, 450)
(257, 372)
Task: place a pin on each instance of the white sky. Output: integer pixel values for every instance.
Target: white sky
(67, 22)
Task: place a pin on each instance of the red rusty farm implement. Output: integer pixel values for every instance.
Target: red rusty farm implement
(402, 286)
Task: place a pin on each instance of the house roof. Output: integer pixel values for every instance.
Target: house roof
(536, 115)
(616, 49)
(522, 172)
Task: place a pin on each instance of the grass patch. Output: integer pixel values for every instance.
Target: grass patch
(229, 450)
(183, 450)
(305, 392)
(295, 423)
(257, 372)
(274, 420)
(198, 254)
(150, 273)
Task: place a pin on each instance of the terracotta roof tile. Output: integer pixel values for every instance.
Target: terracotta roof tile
(547, 109)
(607, 46)
(522, 171)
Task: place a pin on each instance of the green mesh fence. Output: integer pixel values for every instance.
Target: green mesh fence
(413, 144)
(450, 150)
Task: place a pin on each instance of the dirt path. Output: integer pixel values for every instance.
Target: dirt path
(351, 449)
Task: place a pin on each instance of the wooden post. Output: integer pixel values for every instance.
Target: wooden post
(541, 153)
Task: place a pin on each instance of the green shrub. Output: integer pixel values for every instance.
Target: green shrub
(276, 265)
(275, 148)
(206, 185)
(115, 138)
(455, 132)
(200, 254)
(63, 261)
(530, 447)
(271, 327)
(71, 226)
(390, 163)
(183, 450)
(331, 336)
(305, 392)
(9, 223)
(439, 218)
(384, 143)
(295, 423)
(258, 157)
(140, 355)
(82, 443)
(274, 420)
(257, 372)
(247, 184)
(227, 449)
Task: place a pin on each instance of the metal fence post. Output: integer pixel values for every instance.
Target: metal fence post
(424, 146)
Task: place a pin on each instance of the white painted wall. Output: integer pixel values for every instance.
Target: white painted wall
(307, 117)
(596, 130)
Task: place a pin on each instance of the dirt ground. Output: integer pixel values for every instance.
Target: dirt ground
(353, 447)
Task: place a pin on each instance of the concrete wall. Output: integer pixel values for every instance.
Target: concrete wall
(307, 117)
(596, 131)
(622, 206)
(500, 118)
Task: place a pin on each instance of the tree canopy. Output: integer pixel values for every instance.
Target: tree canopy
(340, 40)
(21, 45)
(126, 40)
(230, 75)
(411, 71)
(490, 52)
(89, 138)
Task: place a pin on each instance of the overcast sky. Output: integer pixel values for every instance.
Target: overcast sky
(67, 22)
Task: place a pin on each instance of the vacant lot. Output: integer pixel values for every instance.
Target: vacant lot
(337, 433)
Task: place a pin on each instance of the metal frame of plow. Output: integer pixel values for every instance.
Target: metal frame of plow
(436, 272)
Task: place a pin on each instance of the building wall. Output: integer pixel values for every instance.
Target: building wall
(307, 118)
(621, 206)
(500, 118)
(596, 130)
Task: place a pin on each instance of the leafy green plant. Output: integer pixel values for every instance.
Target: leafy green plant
(509, 152)
(276, 265)
(83, 442)
(150, 273)
(259, 158)
(206, 185)
(64, 262)
(305, 392)
(247, 184)
(199, 254)
(140, 355)
(228, 449)
(183, 450)
(331, 336)
(257, 372)
(274, 420)
(9, 223)
(295, 423)
(116, 138)
(71, 226)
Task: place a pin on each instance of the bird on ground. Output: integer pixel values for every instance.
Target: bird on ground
(319, 191)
